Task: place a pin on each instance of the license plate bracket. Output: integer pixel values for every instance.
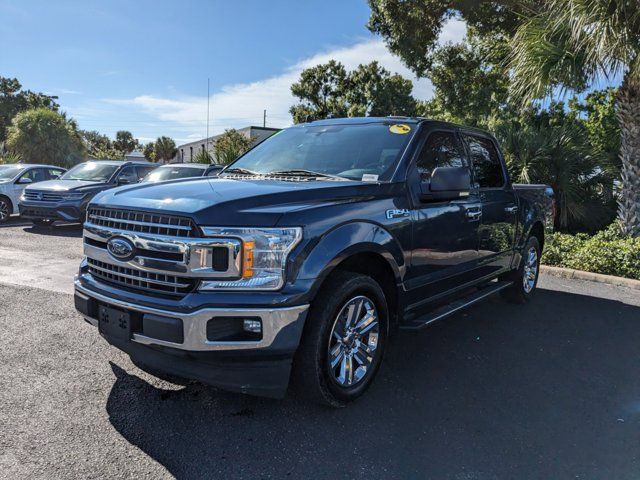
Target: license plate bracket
(114, 323)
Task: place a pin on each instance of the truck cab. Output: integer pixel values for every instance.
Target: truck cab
(303, 256)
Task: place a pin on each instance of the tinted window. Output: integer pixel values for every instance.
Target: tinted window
(486, 162)
(346, 150)
(53, 173)
(35, 174)
(443, 149)
(173, 173)
(128, 173)
(143, 170)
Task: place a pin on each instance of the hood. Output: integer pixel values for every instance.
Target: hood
(233, 202)
(64, 185)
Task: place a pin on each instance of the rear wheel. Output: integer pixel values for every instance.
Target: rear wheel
(343, 342)
(5, 210)
(525, 278)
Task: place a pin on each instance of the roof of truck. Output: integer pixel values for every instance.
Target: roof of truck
(392, 119)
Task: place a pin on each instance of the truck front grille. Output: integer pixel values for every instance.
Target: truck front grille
(42, 196)
(139, 280)
(132, 221)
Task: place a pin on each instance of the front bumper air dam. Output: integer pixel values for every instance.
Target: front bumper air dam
(39, 211)
(260, 367)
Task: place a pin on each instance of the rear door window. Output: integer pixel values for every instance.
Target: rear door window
(487, 168)
(143, 170)
(53, 173)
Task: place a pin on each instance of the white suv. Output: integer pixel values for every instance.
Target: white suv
(14, 177)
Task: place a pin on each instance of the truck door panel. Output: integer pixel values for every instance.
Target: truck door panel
(497, 230)
(445, 234)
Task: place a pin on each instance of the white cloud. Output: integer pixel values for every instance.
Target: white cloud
(240, 105)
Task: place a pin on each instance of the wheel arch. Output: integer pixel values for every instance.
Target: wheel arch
(359, 247)
(537, 230)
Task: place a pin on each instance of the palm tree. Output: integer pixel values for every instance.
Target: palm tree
(165, 149)
(557, 154)
(571, 43)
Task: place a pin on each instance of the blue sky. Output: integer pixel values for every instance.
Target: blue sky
(142, 65)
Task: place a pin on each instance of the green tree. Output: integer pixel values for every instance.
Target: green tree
(230, 145)
(14, 100)
(471, 86)
(551, 146)
(411, 28)
(44, 136)
(598, 112)
(165, 149)
(328, 90)
(321, 90)
(125, 142)
(6, 156)
(99, 146)
(570, 43)
(149, 151)
(202, 157)
(374, 91)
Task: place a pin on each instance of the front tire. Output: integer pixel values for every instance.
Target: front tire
(525, 278)
(5, 210)
(343, 341)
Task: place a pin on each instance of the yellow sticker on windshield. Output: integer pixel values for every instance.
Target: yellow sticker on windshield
(400, 128)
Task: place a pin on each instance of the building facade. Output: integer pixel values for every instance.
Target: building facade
(187, 151)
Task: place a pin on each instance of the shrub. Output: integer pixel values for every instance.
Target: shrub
(608, 252)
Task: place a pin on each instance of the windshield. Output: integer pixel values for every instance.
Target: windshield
(349, 151)
(171, 173)
(7, 172)
(91, 171)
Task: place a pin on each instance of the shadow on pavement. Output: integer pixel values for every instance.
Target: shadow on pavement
(56, 230)
(546, 390)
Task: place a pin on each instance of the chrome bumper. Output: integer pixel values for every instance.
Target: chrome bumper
(274, 320)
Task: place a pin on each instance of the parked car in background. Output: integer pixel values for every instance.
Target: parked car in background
(15, 177)
(66, 198)
(306, 251)
(175, 171)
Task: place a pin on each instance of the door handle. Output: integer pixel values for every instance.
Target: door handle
(511, 209)
(473, 215)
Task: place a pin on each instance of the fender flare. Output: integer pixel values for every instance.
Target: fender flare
(345, 241)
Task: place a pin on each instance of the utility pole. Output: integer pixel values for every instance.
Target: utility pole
(264, 118)
(207, 141)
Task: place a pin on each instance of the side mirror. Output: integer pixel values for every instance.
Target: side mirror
(25, 181)
(126, 180)
(446, 183)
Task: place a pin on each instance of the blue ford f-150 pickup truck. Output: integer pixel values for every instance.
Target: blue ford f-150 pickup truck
(306, 252)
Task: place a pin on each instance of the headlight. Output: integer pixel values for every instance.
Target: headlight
(263, 258)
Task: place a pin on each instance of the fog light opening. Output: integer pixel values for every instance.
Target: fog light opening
(252, 326)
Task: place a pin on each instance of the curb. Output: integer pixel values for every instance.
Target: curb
(589, 276)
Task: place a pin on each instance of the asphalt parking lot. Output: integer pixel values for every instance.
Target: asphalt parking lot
(550, 390)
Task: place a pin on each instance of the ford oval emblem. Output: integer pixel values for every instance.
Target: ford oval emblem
(121, 249)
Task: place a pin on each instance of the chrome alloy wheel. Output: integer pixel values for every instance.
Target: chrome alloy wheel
(353, 341)
(530, 270)
(4, 211)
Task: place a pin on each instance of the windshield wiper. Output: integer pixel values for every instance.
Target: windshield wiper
(240, 170)
(306, 173)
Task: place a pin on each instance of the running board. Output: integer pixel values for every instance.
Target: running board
(455, 306)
